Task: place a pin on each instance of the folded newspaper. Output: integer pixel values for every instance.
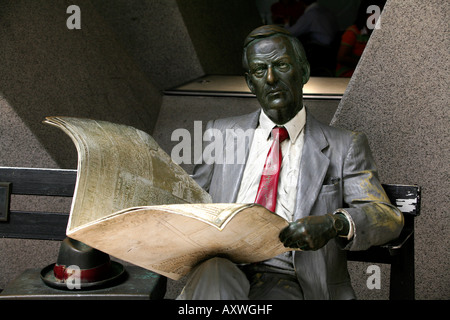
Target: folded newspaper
(134, 203)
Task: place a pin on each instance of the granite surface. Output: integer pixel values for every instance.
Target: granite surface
(399, 96)
(48, 70)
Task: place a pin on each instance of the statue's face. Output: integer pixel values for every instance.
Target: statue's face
(275, 77)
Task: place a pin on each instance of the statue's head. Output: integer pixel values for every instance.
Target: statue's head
(276, 70)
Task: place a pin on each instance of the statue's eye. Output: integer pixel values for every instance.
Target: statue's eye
(283, 66)
(259, 71)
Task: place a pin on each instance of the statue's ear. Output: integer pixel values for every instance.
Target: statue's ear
(306, 72)
(249, 82)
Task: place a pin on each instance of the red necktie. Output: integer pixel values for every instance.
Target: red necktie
(268, 185)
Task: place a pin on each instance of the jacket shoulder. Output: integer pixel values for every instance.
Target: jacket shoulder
(331, 131)
(243, 121)
(336, 139)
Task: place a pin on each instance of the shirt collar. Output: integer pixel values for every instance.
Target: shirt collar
(293, 126)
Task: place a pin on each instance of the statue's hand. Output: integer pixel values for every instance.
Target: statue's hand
(313, 232)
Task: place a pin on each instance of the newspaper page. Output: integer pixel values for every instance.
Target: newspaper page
(121, 167)
(171, 240)
(134, 203)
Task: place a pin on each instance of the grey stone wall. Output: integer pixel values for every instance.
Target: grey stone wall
(154, 34)
(45, 70)
(399, 96)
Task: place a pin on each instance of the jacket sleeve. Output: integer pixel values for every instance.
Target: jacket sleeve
(375, 220)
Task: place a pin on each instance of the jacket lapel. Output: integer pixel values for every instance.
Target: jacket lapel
(314, 165)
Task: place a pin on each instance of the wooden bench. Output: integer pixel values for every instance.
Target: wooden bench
(36, 182)
(138, 283)
(58, 182)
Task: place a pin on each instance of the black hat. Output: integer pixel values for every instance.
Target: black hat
(80, 266)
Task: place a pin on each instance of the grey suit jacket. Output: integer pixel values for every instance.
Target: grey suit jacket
(337, 171)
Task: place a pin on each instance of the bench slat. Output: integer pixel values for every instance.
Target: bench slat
(405, 197)
(41, 182)
(35, 225)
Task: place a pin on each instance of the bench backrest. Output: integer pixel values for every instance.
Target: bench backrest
(36, 182)
(61, 182)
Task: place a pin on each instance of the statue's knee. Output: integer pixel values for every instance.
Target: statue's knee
(217, 263)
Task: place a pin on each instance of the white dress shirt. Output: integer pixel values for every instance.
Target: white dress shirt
(291, 150)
